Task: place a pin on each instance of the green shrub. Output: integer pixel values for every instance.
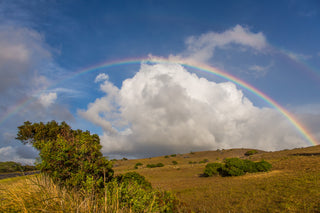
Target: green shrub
(138, 198)
(155, 165)
(204, 161)
(173, 155)
(212, 169)
(166, 156)
(174, 162)
(236, 167)
(131, 177)
(159, 165)
(263, 166)
(251, 152)
(244, 165)
(231, 171)
(137, 164)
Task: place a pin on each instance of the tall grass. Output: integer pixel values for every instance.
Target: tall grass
(39, 194)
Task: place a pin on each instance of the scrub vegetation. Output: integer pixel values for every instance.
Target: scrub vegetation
(238, 182)
(76, 177)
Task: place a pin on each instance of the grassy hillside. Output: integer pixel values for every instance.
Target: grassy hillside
(293, 185)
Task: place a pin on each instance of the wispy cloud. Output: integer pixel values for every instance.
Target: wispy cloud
(259, 71)
(202, 48)
(299, 56)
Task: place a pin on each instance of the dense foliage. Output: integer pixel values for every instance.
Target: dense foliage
(236, 167)
(71, 158)
(10, 166)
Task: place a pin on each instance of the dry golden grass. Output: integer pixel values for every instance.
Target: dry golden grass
(293, 185)
(37, 193)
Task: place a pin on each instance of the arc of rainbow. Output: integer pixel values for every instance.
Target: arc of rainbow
(195, 65)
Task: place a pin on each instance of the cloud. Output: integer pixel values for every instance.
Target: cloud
(101, 77)
(260, 71)
(165, 109)
(202, 48)
(27, 68)
(47, 99)
(298, 56)
(21, 50)
(25, 155)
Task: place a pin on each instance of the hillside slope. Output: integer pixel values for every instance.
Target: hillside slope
(293, 185)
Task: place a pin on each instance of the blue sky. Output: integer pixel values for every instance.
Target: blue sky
(272, 45)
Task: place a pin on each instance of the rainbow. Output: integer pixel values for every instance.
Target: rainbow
(299, 63)
(191, 64)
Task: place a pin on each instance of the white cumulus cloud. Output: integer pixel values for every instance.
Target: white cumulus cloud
(165, 109)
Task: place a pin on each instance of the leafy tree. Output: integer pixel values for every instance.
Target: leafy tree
(71, 157)
(38, 134)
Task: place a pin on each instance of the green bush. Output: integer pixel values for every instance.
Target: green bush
(173, 155)
(174, 162)
(134, 177)
(251, 152)
(236, 167)
(137, 164)
(155, 165)
(204, 161)
(138, 198)
(212, 169)
(231, 171)
(263, 166)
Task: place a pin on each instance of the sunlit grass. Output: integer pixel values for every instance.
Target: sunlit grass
(38, 193)
(293, 185)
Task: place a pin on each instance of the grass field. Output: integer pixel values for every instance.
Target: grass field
(293, 185)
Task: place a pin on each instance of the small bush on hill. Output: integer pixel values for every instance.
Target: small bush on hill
(173, 155)
(204, 161)
(155, 165)
(251, 152)
(174, 162)
(137, 164)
